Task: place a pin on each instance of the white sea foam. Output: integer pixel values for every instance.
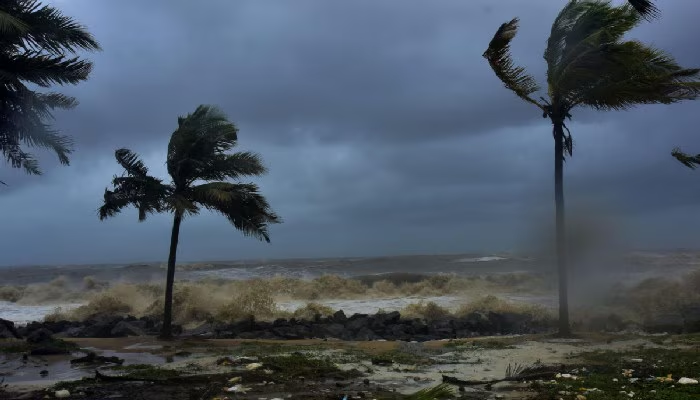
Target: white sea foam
(481, 259)
(22, 314)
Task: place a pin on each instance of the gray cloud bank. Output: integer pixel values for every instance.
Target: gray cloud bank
(384, 130)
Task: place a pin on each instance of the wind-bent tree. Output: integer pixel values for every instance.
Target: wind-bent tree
(199, 165)
(589, 65)
(38, 46)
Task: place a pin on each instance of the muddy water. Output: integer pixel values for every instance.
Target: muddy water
(48, 370)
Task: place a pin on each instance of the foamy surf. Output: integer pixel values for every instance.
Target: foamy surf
(23, 314)
(481, 259)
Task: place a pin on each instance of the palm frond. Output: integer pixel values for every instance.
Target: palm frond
(147, 194)
(131, 162)
(689, 161)
(499, 58)
(50, 30)
(578, 33)
(645, 8)
(631, 74)
(200, 136)
(242, 204)
(44, 70)
(10, 25)
(442, 391)
(230, 166)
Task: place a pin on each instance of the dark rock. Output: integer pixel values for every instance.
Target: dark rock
(100, 327)
(41, 335)
(292, 332)
(124, 328)
(670, 323)
(355, 324)
(8, 330)
(509, 323)
(339, 316)
(366, 334)
(93, 358)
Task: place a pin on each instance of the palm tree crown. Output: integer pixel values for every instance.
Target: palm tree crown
(589, 64)
(198, 164)
(34, 41)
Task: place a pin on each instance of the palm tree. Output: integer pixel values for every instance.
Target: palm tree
(34, 41)
(589, 65)
(199, 166)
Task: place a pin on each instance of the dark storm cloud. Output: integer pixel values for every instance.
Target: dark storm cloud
(384, 129)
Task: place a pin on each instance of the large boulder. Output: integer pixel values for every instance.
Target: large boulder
(8, 330)
(41, 335)
(124, 328)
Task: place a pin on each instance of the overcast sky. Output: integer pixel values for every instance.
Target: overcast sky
(384, 130)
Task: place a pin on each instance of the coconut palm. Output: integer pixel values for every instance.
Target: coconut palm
(200, 166)
(38, 47)
(589, 65)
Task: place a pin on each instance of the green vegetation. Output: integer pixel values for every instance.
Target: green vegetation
(144, 372)
(589, 64)
(297, 365)
(608, 374)
(38, 47)
(197, 153)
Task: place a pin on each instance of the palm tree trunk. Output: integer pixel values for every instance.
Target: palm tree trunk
(564, 327)
(167, 332)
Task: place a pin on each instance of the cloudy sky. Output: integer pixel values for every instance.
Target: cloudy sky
(384, 130)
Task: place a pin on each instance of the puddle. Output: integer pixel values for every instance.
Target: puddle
(15, 370)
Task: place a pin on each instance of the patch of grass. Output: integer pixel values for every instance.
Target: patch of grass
(605, 373)
(145, 371)
(487, 344)
(297, 365)
(401, 357)
(11, 346)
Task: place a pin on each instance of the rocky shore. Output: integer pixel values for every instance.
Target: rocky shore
(389, 326)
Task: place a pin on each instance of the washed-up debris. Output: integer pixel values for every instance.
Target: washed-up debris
(627, 373)
(93, 358)
(687, 381)
(667, 378)
(566, 376)
(253, 366)
(235, 379)
(62, 394)
(237, 389)
(235, 360)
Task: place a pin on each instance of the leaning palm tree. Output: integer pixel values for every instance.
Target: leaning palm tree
(589, 65)
(200, 166)
(34, 42)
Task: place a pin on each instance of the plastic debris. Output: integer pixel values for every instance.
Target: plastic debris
(62, 394)
(237, 389)
(687, 381)
(253, 366)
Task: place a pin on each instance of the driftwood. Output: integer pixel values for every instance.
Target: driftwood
(94, 358)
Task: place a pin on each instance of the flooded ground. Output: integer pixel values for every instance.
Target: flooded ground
(256, 369)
